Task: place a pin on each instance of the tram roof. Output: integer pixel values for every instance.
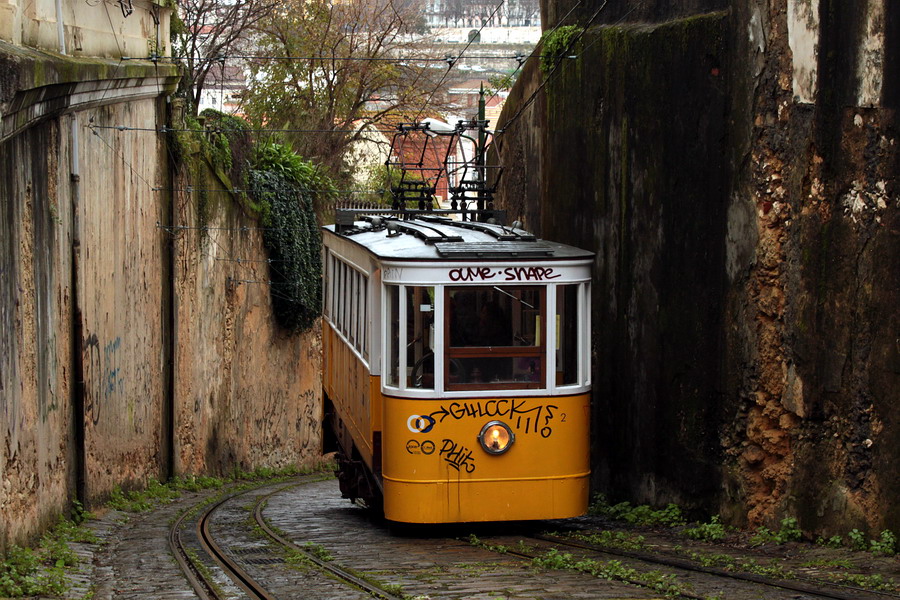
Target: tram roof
(437, 237)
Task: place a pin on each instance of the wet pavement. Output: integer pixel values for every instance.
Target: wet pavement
(134, 561)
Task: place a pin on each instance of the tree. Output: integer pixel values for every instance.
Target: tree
(207, 32)
(352, 64)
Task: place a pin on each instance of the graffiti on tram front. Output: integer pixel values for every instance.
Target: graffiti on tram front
(457, 456)
(526, 417)
(506, 274)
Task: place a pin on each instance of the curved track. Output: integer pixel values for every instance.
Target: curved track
(200, 577)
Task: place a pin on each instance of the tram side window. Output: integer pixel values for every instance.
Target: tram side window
(393, 350)
(495, 337)
(345, 298)
(347, 304)
(353, 324)
(567, 323)
(336, 293)
(364, 317)
(420, 337)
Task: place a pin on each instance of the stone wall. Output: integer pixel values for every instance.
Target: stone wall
(735, 172)
(246, 393)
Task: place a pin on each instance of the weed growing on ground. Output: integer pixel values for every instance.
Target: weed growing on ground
(478, 543)
(713, 531)
(41, 571)
(670, 516)
(886, 545)
(763, 535)
(613, 539)
(318, 551)
(789, 532)
(612, 570)
(204, 571)
(877, 582)
(196, 483)
(834, 541)
(856, 539)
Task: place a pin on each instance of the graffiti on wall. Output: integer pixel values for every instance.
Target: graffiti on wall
(103, 375)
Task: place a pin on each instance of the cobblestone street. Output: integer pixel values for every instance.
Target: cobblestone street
(133, 559)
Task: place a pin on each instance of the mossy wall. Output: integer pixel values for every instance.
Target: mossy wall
(247, 392)
(633, 170)
(741, 196)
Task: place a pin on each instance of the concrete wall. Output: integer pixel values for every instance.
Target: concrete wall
(88, 29)
(125, 353)
(735, 171)
(35, 341)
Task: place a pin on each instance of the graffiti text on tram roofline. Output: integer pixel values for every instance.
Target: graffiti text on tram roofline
(506, 274)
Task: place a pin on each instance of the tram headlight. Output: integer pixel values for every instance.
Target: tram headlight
(496, 437)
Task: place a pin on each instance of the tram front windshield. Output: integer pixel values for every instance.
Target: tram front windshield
(494, 337)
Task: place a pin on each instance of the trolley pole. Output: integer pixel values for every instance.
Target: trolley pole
(481, 163)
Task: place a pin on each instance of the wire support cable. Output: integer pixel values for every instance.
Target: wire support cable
(190, 189)
(450, 65)
(451, 59)
(165, 129)
(555, 68)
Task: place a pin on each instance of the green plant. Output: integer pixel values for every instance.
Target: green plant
(857, 539)
(763, 535)
(885, 545)
(713, 531)
(25, 572)
(789, 532)
(318, 551)
(230, 145)
(292, 238)
(556, 43)
(478, 543)
(613, 539)
(196, 483)
(875, 582)
(834, 541)
(612, 570)
(670, 516)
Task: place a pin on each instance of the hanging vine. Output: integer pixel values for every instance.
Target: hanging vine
(284, 187)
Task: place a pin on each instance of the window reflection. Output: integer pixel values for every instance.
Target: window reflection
(495, 337)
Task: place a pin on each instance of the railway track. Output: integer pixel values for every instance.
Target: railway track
(229, 550)
(810, 588)
(201, 555)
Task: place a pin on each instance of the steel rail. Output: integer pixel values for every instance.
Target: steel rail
(341, 573)
(202, 586)
(816, 589)
(237, 573)
(198, 583)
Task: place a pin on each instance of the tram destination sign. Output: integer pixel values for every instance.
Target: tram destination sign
(481, 273)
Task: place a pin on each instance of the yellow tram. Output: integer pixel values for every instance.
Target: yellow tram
(456, 368)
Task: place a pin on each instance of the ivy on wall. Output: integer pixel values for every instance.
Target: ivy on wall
(275, 184)
(284, 187)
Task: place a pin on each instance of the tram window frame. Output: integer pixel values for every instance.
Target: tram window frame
(454, 355)
(569, 324)
(364, 316)
(348, 304)
(394, 319)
